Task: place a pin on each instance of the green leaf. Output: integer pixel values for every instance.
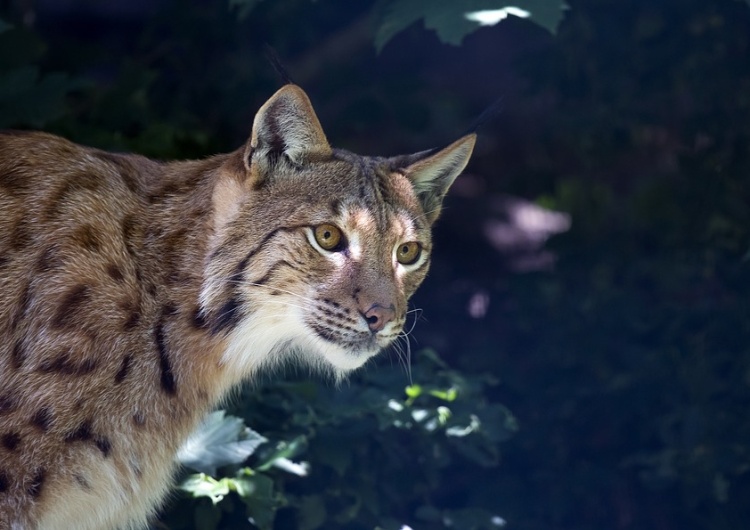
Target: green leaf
(413, 391)
(282, 451)
(201, 485)
(454, 20)
(219, 441)
(257, 494)
(445, 395)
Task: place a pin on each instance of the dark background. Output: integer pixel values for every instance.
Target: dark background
(593, 260)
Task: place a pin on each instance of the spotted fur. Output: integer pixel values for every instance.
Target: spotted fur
(135, 294)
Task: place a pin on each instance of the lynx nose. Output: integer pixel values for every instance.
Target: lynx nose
(378, 316)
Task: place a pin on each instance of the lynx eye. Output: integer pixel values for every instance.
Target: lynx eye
(329, 237)
(408, 253)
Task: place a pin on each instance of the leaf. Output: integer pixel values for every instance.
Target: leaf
(259, 498)
(498, 423)
(282, 451)
(202, 485)
(218, 442)
(453, 20)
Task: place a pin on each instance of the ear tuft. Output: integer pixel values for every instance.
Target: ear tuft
(432, 174)
(286, 125)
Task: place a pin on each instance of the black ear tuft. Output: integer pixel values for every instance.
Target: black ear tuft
(275, 61)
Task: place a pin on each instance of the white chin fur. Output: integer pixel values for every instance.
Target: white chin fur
(265, 341)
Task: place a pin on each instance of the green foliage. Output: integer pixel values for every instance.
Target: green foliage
(27, 97)
(332, 458)
(452, 21)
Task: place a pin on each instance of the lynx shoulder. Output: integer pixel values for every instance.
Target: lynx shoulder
(135, 294)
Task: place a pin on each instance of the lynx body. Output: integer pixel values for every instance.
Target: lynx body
(135, 294)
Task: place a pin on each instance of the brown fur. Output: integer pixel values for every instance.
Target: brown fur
(135, 294)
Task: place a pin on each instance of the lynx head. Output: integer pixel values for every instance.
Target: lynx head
(315, 250)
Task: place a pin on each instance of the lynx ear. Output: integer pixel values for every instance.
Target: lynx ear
(433, 172)
(286, 126)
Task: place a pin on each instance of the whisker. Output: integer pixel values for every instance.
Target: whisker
(407, 357)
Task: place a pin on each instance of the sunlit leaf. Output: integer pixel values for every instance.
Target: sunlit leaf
(282, 450)
(202, 485)
(445, 395)
(221, 440)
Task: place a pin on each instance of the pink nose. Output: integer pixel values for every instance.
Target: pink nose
(378, 316)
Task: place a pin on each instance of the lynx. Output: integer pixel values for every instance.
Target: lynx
(136, 294)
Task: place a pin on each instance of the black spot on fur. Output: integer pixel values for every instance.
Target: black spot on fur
(167, 375)
(10, 440)
(42, 418)
(7, 403)
(14, 181)
(63, 364)
(4, 482)
(23, 306)
(198, 321)
(228, 317)
(18, 355)
(49, 259)
(20, 235)
(87, 237)
(82, 433)
(124, 368)
(104, 445)
(37, 483)
(133, 320)
(71, 305)
(115, 273)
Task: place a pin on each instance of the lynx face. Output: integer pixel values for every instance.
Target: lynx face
(318, 250)
(331, 282)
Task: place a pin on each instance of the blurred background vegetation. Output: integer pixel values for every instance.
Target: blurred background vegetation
(582, 358)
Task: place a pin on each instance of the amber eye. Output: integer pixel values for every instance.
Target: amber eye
(408, 253)
(329, 237)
